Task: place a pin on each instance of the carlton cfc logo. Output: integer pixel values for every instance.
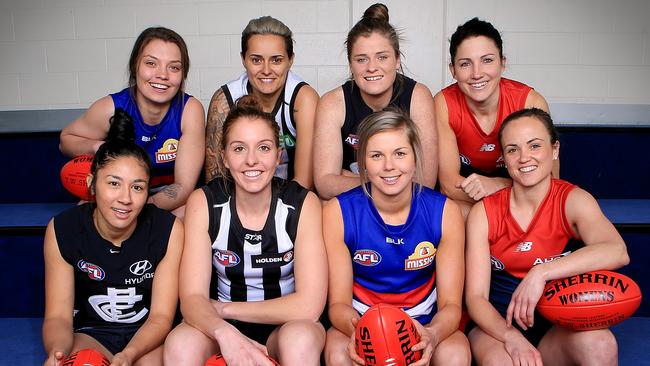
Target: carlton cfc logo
(366, 257)
(226, 258)
(167, 152)
(94, 271)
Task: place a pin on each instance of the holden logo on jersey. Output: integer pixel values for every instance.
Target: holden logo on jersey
(352, 140)
(422, 256)
(167, 152)
(94, 271)
(226, 258)
(139, 268)
(551, 258)
(497, 265)
(524, 246)
(464, 160)
(398, 241)
(366, 257)
(115, 306)
(271, 260)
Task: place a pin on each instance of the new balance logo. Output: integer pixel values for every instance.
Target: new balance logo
(524, 246)
(487, 147)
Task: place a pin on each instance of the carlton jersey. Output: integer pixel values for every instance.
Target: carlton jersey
(480, 152)
(394, 264)
(356, 110)
(515, 251)
(112, 284)
(283, 112)
(253, 265)
(160, 140)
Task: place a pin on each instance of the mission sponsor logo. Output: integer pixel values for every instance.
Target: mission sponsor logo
(167, 152)
(226, 258)
(422, 257)
(94, 271)
(366, 257)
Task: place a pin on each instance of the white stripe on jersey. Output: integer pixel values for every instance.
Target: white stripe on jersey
(222, 237)
(287, 283)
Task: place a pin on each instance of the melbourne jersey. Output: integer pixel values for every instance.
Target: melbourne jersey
(356, 110)
(283, 113)
(253, 265)
(480, 152)
(515, 251)
(112, 284)
(394, 264)
(160, 140)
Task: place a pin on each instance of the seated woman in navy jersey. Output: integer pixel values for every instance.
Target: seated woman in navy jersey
(254, 271)
(267, 55)
(100, 260)
(169, 124)
(376, 83)
(539, 217)
(417, 235)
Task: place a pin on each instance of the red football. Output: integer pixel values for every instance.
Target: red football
(592, 300)
(385, 335)
(73, 176)
(86, 357)
(217, 360)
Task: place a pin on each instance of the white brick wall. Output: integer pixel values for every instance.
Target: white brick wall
(68, 53)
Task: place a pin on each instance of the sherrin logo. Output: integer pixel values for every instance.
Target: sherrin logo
(422, 256)
(366, 257)
(226, 258)
(167, 152)
(94, 271)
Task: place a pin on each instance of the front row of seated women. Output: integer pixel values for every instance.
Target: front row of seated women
(253, 276)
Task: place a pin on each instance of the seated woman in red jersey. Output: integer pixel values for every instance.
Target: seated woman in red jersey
(469, 114)
(376, 83)
(416, 240)
(169, 124)
(100, 260)
(542, 220)
(253, 276)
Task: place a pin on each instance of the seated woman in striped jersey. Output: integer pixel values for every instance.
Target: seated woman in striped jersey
(254, 271)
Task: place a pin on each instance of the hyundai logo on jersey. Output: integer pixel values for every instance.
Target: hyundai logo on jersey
(94, 271)
(366, 257)
(139, 268)
(226, 258)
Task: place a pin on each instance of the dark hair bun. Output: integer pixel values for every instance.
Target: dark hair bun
(249, 102)
(121, 128)
(378, 12)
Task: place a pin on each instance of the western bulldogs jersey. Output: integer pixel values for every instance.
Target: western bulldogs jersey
(253, 265)
(394, 264)
(112, 284)
(480, 152)
(283, 113)
(356, 110)
(160, 140)
(515, 251)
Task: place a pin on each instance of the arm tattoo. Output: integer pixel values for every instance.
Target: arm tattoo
(171, 191)
(216, 116)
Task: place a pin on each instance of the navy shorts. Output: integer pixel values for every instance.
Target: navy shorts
(258, 332)
(534, 335)
(113, 338)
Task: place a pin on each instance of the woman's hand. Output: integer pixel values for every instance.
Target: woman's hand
(477, 186)
(356, 359)
(121, 359)
(524, 299)
(425, 345)
(520, 350)
(54, 359)
(239, 350)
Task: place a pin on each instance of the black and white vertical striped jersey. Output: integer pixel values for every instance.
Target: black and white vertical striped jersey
(253, 265)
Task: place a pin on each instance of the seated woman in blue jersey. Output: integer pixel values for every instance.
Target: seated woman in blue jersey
(469, 113)
(253, 276)
(100, 260)
(417, 236)
(267, 55)
(542, 220)
(169, 124)
(376, 83)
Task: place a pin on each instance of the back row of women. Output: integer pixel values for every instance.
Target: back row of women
(257, 259)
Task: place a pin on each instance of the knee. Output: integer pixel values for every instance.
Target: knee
(598, 347)
(302, 334)
(453, 353)
(337, 357)
(181, 349)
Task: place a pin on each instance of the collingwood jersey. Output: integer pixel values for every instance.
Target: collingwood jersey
(282, 112)
(253, 265)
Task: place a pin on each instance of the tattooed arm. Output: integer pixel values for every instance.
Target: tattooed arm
(217, 113)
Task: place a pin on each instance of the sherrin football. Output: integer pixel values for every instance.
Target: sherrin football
(73, 176)
(384, 336)
(86, 357)
(588, 301)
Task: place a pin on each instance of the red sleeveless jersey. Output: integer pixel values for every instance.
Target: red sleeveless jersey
(477, 149)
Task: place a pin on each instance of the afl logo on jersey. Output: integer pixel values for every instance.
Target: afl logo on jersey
(422, 256)
(497, 265)
(465, 160)
(167, 152)
(226, 258)
(366, 257)
(352, 140)
(94, 271)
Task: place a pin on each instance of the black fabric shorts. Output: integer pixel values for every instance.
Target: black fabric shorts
(258, 332)
(534, 335)
(113, 338)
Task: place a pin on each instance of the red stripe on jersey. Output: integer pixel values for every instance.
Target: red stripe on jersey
(404, 300)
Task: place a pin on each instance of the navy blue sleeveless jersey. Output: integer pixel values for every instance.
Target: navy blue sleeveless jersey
(394, 264)
(112, 284)
(160, 140)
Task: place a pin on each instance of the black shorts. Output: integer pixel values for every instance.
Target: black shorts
(534, 335)
(113, 338)
(258, 332)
